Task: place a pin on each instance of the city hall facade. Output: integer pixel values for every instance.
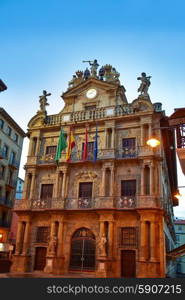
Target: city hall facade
(107, 210)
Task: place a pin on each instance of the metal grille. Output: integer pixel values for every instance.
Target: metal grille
(128, 188)
(42, 234)
(128, 237)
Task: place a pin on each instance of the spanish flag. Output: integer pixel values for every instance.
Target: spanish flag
(70, 146)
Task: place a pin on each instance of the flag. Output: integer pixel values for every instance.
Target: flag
(71, 145)
(84, 154)
(96, 145)
(61, 145)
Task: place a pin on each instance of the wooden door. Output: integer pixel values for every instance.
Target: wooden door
(128, 264)
(85, 190)
(40, 258)
(46, 191)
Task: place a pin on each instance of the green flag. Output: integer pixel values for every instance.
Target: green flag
(62, 144)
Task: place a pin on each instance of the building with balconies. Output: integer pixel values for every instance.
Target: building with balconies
(97, 198)
(11, 141)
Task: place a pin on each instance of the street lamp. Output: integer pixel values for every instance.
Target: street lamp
(153, 142)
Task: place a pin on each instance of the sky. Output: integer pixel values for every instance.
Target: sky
(43, 43)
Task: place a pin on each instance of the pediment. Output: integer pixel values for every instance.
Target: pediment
(92, 82)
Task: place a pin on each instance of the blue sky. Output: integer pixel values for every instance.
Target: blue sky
(43, 42)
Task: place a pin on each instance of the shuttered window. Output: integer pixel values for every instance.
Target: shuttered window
(85, 190)
(46, 191)
(128, 237)
(42, 234)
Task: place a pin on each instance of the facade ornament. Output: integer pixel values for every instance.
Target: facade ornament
(52, 247)
(43, 101)
(94, 66)
(102, 245)
(101, 73)
(145, 83)
(71, 83)
(86, 74)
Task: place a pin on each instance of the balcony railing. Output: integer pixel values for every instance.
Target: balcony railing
(14, 163)
(94, 114)
(11, 183)
(116, 202)
(2, 154)
(5, 202)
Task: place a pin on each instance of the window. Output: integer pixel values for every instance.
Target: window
(179, 227)
(85, 190)
(51, 150)
(90, 150)
(15, 138)
(129, 147)
(5, 151)
(128, 187)
(46, 191)
(1, 124)
(90, 107)
(9, 131)
(42, 235)
(2, 172)
(128, 237)
(12, 157)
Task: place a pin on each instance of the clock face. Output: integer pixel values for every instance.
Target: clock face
(91, 93)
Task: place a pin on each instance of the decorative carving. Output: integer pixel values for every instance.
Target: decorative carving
(102, 245)
(52, 245)
(43, 101)
(145, 83)
(86, 175)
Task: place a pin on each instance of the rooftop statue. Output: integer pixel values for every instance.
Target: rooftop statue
(145, 83)
(86, 74)
(43, 101)
(94, 66)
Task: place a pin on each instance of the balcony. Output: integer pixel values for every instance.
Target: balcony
(2, 154)
(6, 202)
(11, 184)
(13, 164)
(94, 114)
(116, 202)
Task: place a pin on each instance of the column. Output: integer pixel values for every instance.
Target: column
(32, 185)
(64, 183)
(30, 147)
(60, 238)
(159, 188)
(142, 179)
(142, 135)
(26, 238)
(110, 237)
(57, 184)
(143, 240)
(112, 182)
(152, 241)
(18, 237)
(151, 179)
(37, 150)
(102, 228)
(25, 185)
(150, 130)
(103, 182)
(105, 144)
(53, 229)
(113, 138)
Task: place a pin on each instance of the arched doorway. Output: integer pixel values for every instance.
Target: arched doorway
(83, 248)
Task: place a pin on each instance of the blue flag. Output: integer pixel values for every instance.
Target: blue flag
(96, 145)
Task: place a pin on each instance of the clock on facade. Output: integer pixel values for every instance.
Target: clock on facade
(91, 93)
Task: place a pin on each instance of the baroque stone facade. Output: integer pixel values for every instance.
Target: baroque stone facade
(107, 215)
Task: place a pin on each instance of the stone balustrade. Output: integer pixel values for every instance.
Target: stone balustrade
(117, 202)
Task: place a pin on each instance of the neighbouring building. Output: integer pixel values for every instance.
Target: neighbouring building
(105, 205)
(3, 86)
(11, 141)
(18, 196)
(180, 237)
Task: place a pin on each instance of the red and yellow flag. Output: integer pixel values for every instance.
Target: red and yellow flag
(70, 146)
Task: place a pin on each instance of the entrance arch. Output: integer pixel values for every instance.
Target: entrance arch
(83, 249)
